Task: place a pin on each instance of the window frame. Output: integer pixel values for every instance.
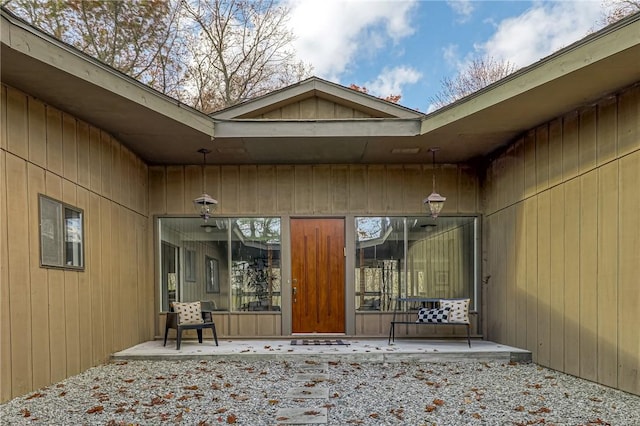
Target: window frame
(61, 208)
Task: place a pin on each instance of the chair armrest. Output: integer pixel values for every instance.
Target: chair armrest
(207, 316)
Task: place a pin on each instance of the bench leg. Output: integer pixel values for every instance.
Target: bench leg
(178, 338)
(469, 334)
(199, 331)
(166, 332)
(392, 333)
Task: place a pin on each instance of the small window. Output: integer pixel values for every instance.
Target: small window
(61, 235)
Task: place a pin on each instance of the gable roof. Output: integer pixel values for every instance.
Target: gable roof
(315, 87)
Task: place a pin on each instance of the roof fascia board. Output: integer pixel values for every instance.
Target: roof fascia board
(318, 129)
(33, 43)
(582, 54)
(315, 85)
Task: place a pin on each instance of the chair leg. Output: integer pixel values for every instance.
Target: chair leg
(166, 332)
(215, 335)
(178, 338)
(469, 335)
(199, 331)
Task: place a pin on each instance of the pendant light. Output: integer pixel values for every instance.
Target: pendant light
(434, 201)
(205, 205)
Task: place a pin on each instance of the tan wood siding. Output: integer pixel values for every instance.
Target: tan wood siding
(576, 239)
(310, 108)
(56, 323)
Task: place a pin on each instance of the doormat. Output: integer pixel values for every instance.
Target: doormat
(310, 342)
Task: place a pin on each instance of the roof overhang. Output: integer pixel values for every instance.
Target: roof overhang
(154, 126)
(162, 131)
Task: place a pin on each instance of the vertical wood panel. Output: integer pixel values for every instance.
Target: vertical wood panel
(213, 176)
(530, 182)
(267, 189)
(17, 123)
(308, 108)
(572, 278)
(629, 271)
(413, 188)
(511, 312)
(18, 265)
(542, 158)
(320, 189)
(570, 148)
(248, 196)
(543, 278)
(175, 189)
(118, 179)
(3, 121)
(5, 308)
(84, 288)
(607, 131)
(607, 273)
(108, 266)
(340, 189)
(587, 140)
(446, 185)
(468, 189)
(303, 197)
(531, 211)
(325, 109)
(629, 121)
(94, 160)
(556, 278)
(37, 132)
(521, 275)
(94, 255)
(229, 189)
(285, 186)
(83, 143)
(377, 188)
(107, 163)
(157, 190)
(54, 141)
(393, 181)
(39, 286)
(357, 189)
(72, 316)
(588, 276)
(57, 314)
(69, 148)
(555, 152)
(193, 180)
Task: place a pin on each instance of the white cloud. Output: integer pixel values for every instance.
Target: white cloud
(541, 30)
(463, 8)
(391, 81)
(332, 33)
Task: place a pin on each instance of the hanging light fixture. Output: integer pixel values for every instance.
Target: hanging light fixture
(434, 201)
(205, 205)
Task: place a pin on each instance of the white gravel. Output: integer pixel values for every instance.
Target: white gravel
(252, 392)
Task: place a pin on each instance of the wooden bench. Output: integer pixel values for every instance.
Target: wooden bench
(425, 303)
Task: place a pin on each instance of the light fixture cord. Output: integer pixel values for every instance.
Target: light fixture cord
(204, 171)
(433, 154)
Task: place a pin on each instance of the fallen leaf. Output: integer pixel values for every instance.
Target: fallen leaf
(221, 410)
(35, 395)
(193, 387)
(282, 418)
(438, 402)
(430, 408)
(476, 416)
(374, 415)
(274, 401)
(231, 419)
(96, 409)
(519, 408)
(311, 413)
(25, 412)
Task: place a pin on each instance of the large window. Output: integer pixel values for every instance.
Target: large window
(413, 256)
(229, 264)
(61, 234)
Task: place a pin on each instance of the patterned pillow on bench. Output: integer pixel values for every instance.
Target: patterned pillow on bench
(459, 310)
(440, 315)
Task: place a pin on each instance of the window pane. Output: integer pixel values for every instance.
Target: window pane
(379, 262)
(194, 262)
(50, 232)
(73, 238)
(440, 259)
(255, 264)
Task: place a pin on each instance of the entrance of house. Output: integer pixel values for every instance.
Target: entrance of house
(317, 272)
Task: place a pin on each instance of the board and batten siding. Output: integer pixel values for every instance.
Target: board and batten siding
(313, 190)
(562, 243)
(57, 323)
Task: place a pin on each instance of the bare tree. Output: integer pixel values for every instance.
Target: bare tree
(138, 38)
(618, 9)
(480, 73)
(239, 50)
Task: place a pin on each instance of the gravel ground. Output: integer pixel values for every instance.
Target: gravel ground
(252, 392)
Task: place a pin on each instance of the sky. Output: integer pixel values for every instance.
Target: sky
(406, 47)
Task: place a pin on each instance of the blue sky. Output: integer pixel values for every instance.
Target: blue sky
(407, 47)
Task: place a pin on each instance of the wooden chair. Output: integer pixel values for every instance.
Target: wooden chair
(173, 321)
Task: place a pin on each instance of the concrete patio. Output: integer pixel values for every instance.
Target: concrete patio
(358, 349)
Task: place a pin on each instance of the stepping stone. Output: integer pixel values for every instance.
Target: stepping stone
(308, 393)
(310, 377)
(296, 416)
